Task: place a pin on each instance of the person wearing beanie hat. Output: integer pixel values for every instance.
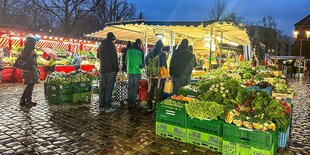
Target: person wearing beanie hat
(31, 77)
(155, 86)
(107, 54)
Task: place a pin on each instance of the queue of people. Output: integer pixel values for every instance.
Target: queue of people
(132, 62)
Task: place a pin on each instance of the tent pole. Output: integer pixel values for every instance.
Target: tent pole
(145, 44)
(171, 42)
(210, 55)
(221, 49)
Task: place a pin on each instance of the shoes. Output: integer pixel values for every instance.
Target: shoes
(109, 110)
(24, 103)
(30, 103)
(149, 111)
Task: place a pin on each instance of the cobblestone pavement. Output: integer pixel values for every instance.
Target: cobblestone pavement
(82, 129)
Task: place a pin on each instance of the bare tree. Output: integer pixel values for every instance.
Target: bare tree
(114, 10)
(8, 9)
(270, 32)
(220, 12)
(67, 12)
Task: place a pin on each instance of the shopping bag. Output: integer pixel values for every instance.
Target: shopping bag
(168, 88)
(21, 64)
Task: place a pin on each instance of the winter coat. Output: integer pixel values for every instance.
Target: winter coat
(134, 61)
(156, 51)
(108, 57)
(33, 75)
(182, 62)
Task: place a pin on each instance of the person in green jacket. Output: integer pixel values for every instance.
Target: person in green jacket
(134, 64)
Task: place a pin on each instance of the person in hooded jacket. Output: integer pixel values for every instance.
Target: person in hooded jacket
(155, 83)
(139, 47)
(76, 61)
(31, 77)
(108, 68)
(123, 56)
(181, 66)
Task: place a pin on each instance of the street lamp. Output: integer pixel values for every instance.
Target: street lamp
(300, 47)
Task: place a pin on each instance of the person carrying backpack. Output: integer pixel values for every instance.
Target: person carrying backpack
(181, 66)
(154, 61)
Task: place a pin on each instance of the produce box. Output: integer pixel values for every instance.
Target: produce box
(170, 114)
(82, 97)
(231, 148)
(267, 89)
(283, 138)
(188, 92)
(59, 99)
(171, 132)
(252, 137)
(282, 95)
(213, 127)
(82, 87)
(212, 142)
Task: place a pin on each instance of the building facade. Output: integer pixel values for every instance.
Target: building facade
(302, 42)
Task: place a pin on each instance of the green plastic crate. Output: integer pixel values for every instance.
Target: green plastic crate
(82, 97)
(251, 137)
(59, 99)
(209, 141)
(171, 132)
(214, 127)
(46, 89)
(82, 87)
(231, 148)
(171, 115)
(60, 89)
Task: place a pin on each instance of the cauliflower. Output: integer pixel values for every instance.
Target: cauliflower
(222, 88)
(217, 85)
(224, 95)
(227, 91)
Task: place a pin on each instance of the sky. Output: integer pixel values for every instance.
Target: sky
(286, 12)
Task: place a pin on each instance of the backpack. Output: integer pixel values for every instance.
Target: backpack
(153, 69)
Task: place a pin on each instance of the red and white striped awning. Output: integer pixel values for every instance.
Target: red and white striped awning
(4, 42)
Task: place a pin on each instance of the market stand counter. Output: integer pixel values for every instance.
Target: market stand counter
(11, 74)
(68, 69)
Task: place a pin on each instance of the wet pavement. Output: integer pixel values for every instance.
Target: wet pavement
(82, 129)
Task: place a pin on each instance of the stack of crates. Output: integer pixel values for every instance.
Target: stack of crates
(284, 133)
(171, 121)
(82, 92)
(58, 94)
(205, 133)
(240, 140)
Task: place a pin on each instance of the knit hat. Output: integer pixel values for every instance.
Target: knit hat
(110, 36)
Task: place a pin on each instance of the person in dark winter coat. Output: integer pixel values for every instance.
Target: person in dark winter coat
(191, 49)
(108, 68)
(181, 66)
(155, 83)
(123, 56)
(31, 77)
(138, 46)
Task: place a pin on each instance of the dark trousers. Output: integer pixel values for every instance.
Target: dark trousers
(294, 71)
(77, 68)
(155, 87)
(133, 88)
(106, 89)
(178, 83)
(27, 93)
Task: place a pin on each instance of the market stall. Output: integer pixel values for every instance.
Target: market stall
(12, 42)
(207, 37)
(247, 110)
